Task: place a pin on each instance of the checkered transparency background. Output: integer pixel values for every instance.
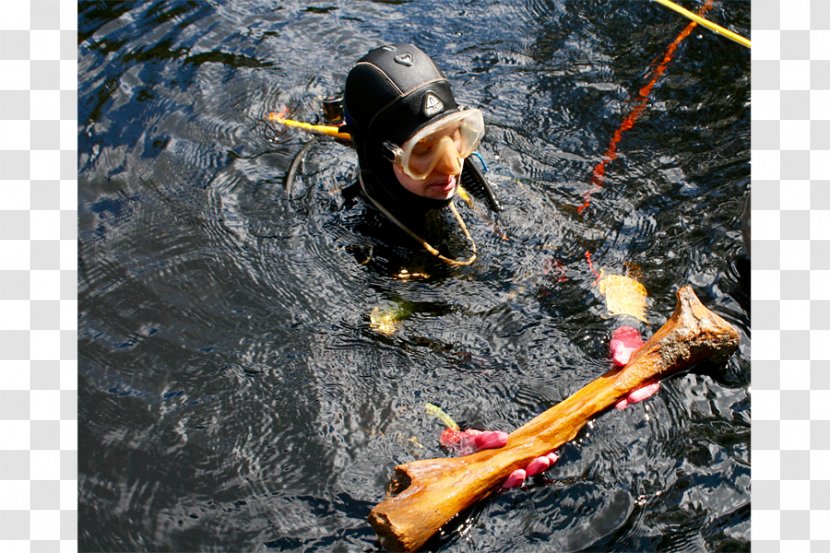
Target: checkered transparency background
(790, 275)
(38, 275)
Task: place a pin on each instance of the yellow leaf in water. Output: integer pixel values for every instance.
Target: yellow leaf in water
(405, 274)
(384, 321)
(624, 296)
(439, 413)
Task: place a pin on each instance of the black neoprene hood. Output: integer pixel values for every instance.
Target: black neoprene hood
(392, 91)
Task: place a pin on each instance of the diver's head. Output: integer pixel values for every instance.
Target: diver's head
(411, 136)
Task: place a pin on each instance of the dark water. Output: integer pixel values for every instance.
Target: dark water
(232, 394)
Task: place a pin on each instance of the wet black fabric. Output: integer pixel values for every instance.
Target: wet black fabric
(384, 248)
(387, 94)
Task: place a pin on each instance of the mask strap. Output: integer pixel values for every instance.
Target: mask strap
(426, 245)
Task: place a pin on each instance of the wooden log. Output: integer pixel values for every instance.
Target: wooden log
(424, 495)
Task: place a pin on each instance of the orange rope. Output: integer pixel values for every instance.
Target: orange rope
(598, 175)
(591, 266)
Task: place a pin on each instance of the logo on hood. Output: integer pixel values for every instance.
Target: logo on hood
(404, 59)
(432, 105)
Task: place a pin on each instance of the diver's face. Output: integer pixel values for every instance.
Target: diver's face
(442, 182)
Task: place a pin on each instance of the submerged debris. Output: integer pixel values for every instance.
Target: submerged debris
(623, 296)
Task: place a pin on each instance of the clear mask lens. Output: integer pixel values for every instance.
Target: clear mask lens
(448, 140)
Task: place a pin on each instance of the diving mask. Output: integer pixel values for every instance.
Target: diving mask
(460, 132)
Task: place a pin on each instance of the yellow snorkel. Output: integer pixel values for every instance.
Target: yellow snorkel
(328, 130)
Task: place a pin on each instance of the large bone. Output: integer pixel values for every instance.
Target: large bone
(424, 495)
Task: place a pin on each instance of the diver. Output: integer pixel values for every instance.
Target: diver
(413, 144)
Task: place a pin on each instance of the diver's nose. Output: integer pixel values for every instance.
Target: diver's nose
(449, 161)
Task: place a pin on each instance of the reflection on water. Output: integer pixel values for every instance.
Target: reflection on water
(232, 393)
